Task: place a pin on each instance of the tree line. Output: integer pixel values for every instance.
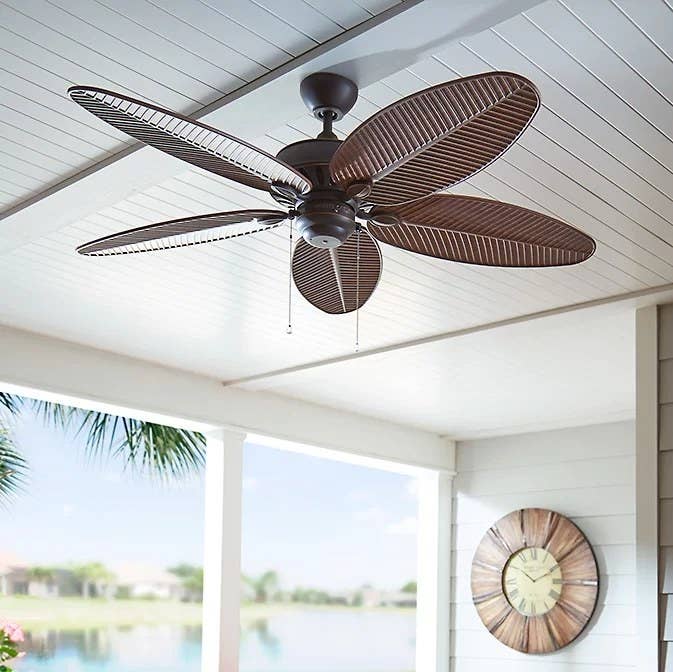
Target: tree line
(93, 579)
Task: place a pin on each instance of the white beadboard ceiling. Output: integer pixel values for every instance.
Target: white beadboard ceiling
(182, 55)
(558, 371)
(599, 155)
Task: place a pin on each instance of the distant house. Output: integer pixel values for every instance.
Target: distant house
(398, 599)
(372, 597)
(142, 581)
(13, 575)
(131, 581)
(18, 578)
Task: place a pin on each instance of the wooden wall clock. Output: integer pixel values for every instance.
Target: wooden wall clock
(534, 581)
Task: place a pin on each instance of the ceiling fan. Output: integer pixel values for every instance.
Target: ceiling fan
(380, 184)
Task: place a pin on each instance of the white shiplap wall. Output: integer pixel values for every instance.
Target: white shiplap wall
(666, 486)
(586, 473)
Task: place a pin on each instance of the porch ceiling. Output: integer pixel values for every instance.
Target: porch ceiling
(599, 155)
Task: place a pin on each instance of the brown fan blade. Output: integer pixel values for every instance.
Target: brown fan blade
(437, 137)
(184, 232)
(328, 278)
(189, 140)
(479, 231)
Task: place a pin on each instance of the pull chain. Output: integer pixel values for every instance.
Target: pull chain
(289, 284)
(357, 292)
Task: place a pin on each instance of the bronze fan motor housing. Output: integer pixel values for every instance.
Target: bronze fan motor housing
(381, 184)
(325, 216)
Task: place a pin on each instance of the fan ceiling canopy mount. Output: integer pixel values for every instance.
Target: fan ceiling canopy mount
(380, 184)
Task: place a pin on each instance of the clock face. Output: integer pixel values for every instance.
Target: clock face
(532, 581)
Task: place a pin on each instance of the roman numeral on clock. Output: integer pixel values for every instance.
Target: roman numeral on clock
(554, 595)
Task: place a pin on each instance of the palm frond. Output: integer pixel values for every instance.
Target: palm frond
(163, 450)
(53, 414)
(10, 402)
(167, 452)
(13, 467)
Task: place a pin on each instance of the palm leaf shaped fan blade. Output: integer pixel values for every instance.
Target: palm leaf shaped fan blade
(335, 280)
(437, 137)
(475, 230)
(190, 140)
(184, 232)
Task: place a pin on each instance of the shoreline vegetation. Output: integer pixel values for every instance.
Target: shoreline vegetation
(64, 613)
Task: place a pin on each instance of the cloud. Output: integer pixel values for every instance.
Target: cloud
(358, 496)
(68, 510)
(406, 526)
(373, 514)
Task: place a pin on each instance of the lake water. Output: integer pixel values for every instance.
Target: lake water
(289, 641)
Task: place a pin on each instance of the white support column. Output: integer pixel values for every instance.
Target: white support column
(222, 551)
(434, 570)
(647, 533)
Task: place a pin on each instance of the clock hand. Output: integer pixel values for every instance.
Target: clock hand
(542, 577)
(523, 572)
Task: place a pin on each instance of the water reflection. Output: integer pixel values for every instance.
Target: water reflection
(330, 640)
(287, 641)
(268, 641)
(91, 644)
(142, 648)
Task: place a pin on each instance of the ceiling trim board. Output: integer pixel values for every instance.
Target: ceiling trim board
(415, 27)
(47, 368)
(249, 381)
(623, 415)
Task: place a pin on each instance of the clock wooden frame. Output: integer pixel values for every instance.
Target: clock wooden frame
(535, 528)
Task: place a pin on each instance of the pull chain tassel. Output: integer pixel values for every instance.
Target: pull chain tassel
(289, 284)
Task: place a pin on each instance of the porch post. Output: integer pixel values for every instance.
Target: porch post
(647, 494)
(222, 551)
(434, 569)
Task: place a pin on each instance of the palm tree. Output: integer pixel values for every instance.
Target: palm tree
(265, 586)
(93, 574)
(40, 574)
(192, 581)
(12, 467)
(168, 452)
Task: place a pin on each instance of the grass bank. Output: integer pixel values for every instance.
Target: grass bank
(75, 612)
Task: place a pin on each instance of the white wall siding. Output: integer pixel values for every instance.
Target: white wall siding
(666, 487)
(586, 473)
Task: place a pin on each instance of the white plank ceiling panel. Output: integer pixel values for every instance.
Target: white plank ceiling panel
(599, 155)
(181, 55)
(558, 371)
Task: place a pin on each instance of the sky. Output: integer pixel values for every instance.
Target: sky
(317, 522)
